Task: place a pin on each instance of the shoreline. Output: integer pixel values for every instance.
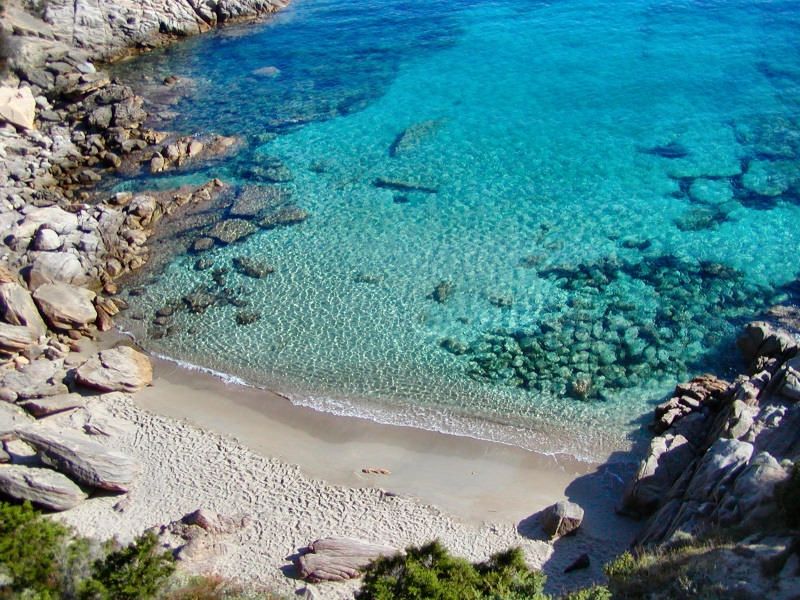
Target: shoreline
(450, 471)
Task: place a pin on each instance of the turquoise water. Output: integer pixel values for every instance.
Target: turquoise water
(603, 193)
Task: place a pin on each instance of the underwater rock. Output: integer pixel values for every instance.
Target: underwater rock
(672, 150)
(413, 136)
(268, 71)
(711, 191)
(404, 186)
(247, 317)
(454, 346)
(203, 264)
(198, 302)
(442, 291)
(271, 171)
(253, 201)
(501, 300)
(699, 219)
(401, 199)
(202, 244)
(634, 243)
(252, 267)
(285, 215)
(772, 178)
(232, 230)
(368, 278)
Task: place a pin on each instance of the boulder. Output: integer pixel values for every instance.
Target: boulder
(120, 369)
(17, 308)
(339, 558)
(45, 488)
(57, 219)
(82, 458)
(213, 522)
(46, 240)
(17, 106)
(562, 518)
(16, 338)
(65, 306)
(56, 267)
(789, 379)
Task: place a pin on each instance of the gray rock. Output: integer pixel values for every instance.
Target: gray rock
(339, 558)
(17, 308)
(720, 465)
(120, 369)
(44, 407)
(16, 338)
(789, 379)
(56, 267)
(40, 378)
(65, 306)
(11, 418)
(669, 456)
(562, 518)
(82, 458)
(45, 488)
(46, 240)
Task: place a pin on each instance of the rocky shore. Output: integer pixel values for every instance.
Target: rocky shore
(73, 440)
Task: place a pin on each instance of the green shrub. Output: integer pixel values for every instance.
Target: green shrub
(31, 549)
(597, 592)
(135, 572)
(430, 572)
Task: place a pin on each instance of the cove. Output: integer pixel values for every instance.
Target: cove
(515, 220)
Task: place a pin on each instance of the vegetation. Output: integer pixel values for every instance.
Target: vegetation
(430, 572)
(41, 559)
(689, 571)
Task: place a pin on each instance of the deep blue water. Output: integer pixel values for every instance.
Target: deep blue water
(614, 188)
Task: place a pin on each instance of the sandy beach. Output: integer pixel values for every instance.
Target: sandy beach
(297, 474)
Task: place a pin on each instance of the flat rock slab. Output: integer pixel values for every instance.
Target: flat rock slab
(82, 458)
(40, 378)
(44, 407)
(17, 106)
(43, 487)
(11, 418)
(65, 306)
(562, 518)
(339, 558)
(16, 338)
(120, 369)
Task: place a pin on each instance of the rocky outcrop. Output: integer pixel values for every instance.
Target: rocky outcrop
(120, 369)
(724, 449)
(82, 458)
(45, 488)
(338, 558)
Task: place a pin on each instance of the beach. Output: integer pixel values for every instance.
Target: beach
(297, 475)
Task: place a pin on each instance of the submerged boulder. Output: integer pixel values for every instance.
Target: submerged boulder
(232, 230)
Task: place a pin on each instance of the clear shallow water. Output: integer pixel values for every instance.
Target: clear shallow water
(617, 190)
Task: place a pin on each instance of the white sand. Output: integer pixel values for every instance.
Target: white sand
(487, 489)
